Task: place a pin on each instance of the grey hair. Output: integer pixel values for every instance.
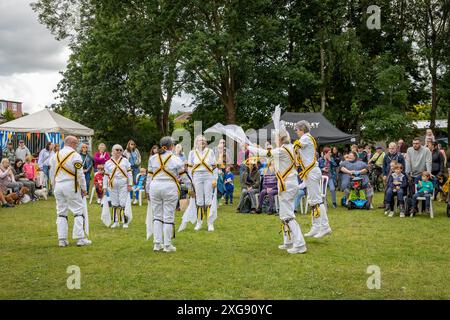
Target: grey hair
(165, 144)
(116, 146)
(284, 136)
(198, 138)
(303, 125)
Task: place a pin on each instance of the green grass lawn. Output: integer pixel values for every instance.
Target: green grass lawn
(240, 260)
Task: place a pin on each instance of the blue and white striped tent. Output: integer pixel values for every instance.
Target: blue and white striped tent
(38, 128)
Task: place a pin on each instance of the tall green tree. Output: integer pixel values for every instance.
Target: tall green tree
(431, 21)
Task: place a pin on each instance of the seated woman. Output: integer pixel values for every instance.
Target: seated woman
(250, 182)
(269, 187)
(27, 177)
(352, 167)
(7, 179)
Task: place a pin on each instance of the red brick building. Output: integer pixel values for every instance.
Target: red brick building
(14, 106)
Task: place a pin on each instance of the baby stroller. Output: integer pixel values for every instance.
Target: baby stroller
(357, 197)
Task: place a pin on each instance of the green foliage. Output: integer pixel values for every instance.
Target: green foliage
(386, 123)
(8, 115)
(240, 59)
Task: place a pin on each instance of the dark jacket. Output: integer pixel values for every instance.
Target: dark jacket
(88, 162)
(252, 180)
(391, 182)
(437, 164)
(387, 162)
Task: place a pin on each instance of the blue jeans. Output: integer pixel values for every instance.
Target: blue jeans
(300, 194)
(136, 192)
(135, 171)
(390, 195)
(332, 187)
(229, 195)
(87, 176)
(46, 170)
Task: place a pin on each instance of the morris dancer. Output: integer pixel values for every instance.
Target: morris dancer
(66, 173)
(285, 167)
(305, 149)
(202, 169)
(163, 171)
(118, 180)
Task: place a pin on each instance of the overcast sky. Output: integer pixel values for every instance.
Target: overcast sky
(31, 58)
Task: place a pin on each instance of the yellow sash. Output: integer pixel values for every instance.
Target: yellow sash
(61, 164)
(307, 170)
(118, 167)
(282, 176)
(202, 162)
(162, 168)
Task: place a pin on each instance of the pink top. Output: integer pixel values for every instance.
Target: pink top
(29, 170)
(100, 158)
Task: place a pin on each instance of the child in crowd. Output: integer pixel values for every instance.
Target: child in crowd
(29, 168)
(98, 182)
(229, 185)
(424, 188)
(396, 185)
(141, 180)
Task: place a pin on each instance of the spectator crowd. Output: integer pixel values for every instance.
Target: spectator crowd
(405, 174)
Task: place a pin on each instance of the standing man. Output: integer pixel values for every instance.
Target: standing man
(10, 153)
(44, 158)
(69, 188)
(305, 149)
(418, 159)
(22, 152)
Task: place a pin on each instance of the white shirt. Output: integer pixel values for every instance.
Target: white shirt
(281, 159)
(194, 160)
(44, 158)
(174, 165)
(62, 175)
(307, 150)
(125, 165)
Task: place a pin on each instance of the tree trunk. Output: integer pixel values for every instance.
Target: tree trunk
(323, 99)
(230, 109)
(448, 127)
(433, 100)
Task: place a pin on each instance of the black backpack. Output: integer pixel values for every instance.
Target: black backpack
(246, 205)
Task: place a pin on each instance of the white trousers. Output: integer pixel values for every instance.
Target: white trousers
(67, 199)
(314, 197)
(163, 198)
(119, 194)
(292, 232)
(203, 188)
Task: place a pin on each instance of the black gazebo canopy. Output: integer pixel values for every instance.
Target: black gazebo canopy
(321, 128)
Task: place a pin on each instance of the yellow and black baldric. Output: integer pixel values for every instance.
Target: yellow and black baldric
(78, 166)
(306, 170)
(282, 176)
(118, 167)
(61, 166)
(286, 229)
(202, 162)
(162, 168)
